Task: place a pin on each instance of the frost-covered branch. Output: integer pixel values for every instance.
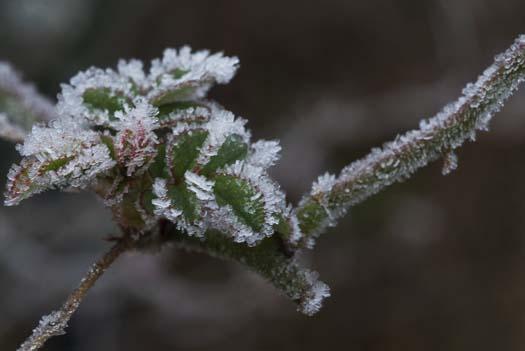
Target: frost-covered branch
(56, 322)
(436, 137)
(21, 105)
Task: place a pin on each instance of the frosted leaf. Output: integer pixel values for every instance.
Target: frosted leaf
(112, 89)
(9, 130)
(264, 153)
(184, 69)
(19, 183)
(272, 196)
(201, 186)
(221, 125)
(294, 234)
(62, 155)
(165, 206)
(225, 220)
(135, 142)
(162, 203)
(185, 119)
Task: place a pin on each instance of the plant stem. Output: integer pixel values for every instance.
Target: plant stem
(331, 197)
(55, 323)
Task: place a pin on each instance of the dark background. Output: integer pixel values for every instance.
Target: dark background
(436, 263)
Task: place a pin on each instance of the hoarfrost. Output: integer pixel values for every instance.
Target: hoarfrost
(312, 302)
(264, 153)
(136, 141)
(202, 187)
(62, 155)
(163, 205)
(272, 196)
(221, 125)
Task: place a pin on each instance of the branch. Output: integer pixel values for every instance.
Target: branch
(331, 196)
(55, 323)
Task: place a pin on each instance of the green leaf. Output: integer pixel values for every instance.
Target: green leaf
(181, 92)
(241, 197)
(104, 99)
(55, 164)
(311, 216)
(184, 200)
(233, 149)
(186, 151)
(158, 168)
(283, 226)
(108, 141)
(179, 73)
(147, 201)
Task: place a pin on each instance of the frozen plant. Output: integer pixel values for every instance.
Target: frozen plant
(176, 168)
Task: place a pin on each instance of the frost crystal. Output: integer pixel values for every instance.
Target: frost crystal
(324, 184)
(221, 125)
(312, 302)
(163, 205)
(195, 72)
(136, 141)
(265, 153)
(202, 187)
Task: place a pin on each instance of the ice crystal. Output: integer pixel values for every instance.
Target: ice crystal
(195, 72)
(136, 142)
(311, 303)
(221, 125)
(202, 187)
(323, 185)
(162, 203)
(264, 153)
(267, 190)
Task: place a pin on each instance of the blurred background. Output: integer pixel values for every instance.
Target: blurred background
(436, 263)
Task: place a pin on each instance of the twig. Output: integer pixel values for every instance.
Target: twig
(55, 323)
(331, 197)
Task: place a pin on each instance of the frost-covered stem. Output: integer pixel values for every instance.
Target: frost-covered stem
(55, 323)
(331, 197)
